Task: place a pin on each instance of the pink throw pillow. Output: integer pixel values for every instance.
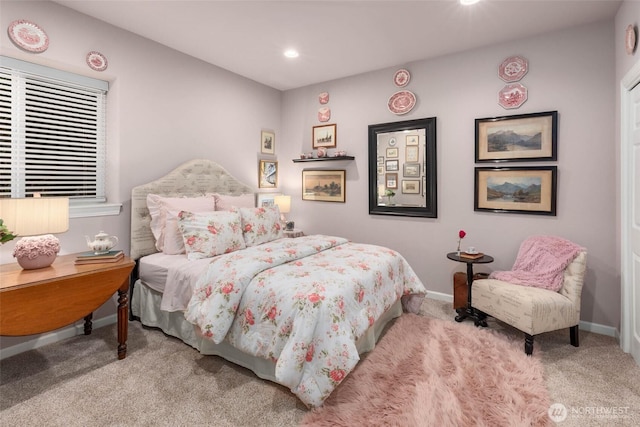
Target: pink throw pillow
(209, 234)
(261, 225)
(159, 206)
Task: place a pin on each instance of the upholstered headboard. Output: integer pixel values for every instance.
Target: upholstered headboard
(194, 178)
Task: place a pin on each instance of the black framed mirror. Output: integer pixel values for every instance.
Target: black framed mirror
(402, 168)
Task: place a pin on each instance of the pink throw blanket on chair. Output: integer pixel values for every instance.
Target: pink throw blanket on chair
(540, 263)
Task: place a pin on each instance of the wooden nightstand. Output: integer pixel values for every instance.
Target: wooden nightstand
(41, 300)
(293, 233)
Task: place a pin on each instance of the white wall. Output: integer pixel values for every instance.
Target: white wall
(570, 71)
(166, 108)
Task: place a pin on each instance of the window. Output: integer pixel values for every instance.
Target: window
(52, 133)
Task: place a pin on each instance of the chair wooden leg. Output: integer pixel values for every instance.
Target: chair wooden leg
(528, 344)
(574, 334)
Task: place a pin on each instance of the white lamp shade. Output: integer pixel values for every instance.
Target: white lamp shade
(33, 216)
(283, 203)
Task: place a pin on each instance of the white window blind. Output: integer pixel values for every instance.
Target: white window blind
(52, 133)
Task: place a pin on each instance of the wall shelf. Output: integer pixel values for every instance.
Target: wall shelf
(324, 159)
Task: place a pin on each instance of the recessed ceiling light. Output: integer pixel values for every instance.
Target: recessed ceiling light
(291, 53)
(468, 2)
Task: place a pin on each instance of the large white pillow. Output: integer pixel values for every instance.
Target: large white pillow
(225, 202)
(261, 225)
(209, 234)
(159, 206)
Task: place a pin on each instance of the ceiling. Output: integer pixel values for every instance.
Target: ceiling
(335, 38)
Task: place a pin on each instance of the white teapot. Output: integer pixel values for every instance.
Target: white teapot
(102, 243)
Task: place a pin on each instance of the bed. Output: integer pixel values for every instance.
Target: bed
(297, 312)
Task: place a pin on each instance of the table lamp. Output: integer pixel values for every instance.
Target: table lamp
(284, 205)
(37, 217)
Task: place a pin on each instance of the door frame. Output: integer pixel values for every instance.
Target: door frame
(628, 82)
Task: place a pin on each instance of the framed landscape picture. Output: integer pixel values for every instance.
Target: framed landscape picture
(410, 186)
(525, 137)
(324, 136)
(324, 185)
(411, 170)
(529, 190)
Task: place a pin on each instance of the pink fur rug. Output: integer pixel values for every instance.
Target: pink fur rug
(431, 372)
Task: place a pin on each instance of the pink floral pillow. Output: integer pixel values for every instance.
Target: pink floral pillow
(209, 234)
(159, 208)
(261, 225)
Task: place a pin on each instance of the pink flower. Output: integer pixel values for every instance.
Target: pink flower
(191, 240)
(227, 288)
(32, 247)
(247, 228)
(309, 355)
(249, 317)
(272, 313)
(314, 297)
(461, 235)
(337, 375)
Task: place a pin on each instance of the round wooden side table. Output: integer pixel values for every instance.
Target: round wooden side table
(470, 312)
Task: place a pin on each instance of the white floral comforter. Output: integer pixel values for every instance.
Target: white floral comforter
(302, 303)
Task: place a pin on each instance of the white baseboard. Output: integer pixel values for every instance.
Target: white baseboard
(596, 328)
(53, 337)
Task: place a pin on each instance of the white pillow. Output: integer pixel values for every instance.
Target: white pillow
(225, 202)
(261, 225)
(160, 205)
(209, 234)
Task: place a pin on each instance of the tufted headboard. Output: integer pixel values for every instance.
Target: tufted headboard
(193, 178)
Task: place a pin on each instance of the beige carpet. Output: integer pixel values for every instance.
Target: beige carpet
(162, 382)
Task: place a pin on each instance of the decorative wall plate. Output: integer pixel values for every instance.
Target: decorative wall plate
(401, 78)
(630, 39)
(323, 98)
(401, 102)
(513, 69)
(28, 36)
(324, 114)
(512, 96)
(96, 61)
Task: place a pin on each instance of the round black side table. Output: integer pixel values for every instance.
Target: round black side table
(477, 316)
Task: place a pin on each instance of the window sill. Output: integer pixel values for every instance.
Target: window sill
(97, 209)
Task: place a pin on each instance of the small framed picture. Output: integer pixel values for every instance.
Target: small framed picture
(391, 180)
(412, 140)
(380, 170)
(411, 153)
(267, 174)
(411, 186)
(524, 137)
(411, 170)
(324, 185)
(267, 142)
(267, 199)
(391, 165)
(380, 161)
(324, 136)
(392, 152)
(530, 190)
